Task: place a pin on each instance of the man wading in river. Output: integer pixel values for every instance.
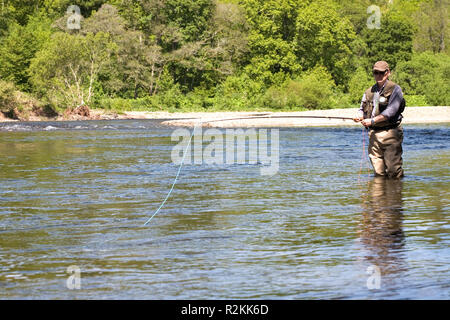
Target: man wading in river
(381, 112)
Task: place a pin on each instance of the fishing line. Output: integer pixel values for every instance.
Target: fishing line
(206, 121)
(363, 156)
(176, 177)
(365, 130)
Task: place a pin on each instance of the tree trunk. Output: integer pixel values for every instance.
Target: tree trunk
(152, 79)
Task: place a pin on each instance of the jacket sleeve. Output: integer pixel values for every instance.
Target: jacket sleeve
(361, 110)
(394, 103)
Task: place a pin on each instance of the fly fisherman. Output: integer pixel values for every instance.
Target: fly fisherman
(381, 112)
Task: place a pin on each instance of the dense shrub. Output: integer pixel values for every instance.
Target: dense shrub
(426, 74)
(238, 93)
(416, 100)
(20, 105)
(359, 82)
(313, 90)
(19, 47)
(8, 100)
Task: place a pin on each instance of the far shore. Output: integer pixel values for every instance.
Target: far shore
(417, 115)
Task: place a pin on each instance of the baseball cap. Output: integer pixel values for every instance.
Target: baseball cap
(381, 66)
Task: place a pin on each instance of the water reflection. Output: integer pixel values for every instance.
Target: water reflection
(380, 230)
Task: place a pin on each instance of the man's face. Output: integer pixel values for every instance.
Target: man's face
(381, 76)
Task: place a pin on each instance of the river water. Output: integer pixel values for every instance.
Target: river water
(74, 197)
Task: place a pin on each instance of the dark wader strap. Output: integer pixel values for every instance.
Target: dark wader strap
(386, 127)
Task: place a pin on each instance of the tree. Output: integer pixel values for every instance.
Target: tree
(141, 63)
(19, 47)
(172, 22)
(177, 36)
(325, 38)
(392, 42)
(426, 74)
(356, 11)
(271, 37)
(218, 52)
(433, 27)
(138, 61)
(228, 36)
(66, 69)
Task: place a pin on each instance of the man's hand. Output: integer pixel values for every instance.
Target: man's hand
(366, 122)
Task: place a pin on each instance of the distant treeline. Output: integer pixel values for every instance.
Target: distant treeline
(218, 54)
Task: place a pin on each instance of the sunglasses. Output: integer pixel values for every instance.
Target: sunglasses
(375, 73)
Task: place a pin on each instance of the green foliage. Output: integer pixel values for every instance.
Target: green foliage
(359, 82)
(324, 37)
(392, 42)
(356, 12)
(313, 90)
(191, 17)
(273, 59)
(8, 98)
(426, 74)
(137, 62)
(19, 47)
(220, 54)
(121, 104)
(272, 56)
(416, 100)
(172, 22)
(19, 105)
(433, 27)
(66, 69)
(239, 92)
(172, 100)
(272, 18)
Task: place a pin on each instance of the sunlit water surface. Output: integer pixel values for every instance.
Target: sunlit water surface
(78, 194)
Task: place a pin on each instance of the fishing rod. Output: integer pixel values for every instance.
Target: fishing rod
(269, 116)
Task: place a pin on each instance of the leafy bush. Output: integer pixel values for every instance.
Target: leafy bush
(66, 69)
(8, 98)
(358, 84)
(313, 90)
(20, 46)
(426, 74)
(20, 105)
(342, 100)
(120, 104)
(238, 93)
(416, 100)
(169, 100)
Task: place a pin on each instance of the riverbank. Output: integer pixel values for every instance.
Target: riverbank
(217, 119)
(230, 119)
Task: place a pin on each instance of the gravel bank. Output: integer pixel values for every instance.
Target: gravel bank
(410, 115)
